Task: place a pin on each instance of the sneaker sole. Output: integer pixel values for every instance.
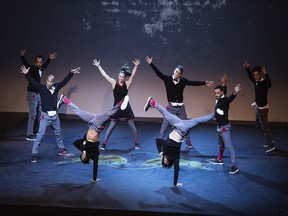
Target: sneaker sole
(124, 103)
(147, 102)
(270, 150)
(30, 139)
(236, 171)
(102, 149)
(60, 101)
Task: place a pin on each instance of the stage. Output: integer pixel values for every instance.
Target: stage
(133, 181)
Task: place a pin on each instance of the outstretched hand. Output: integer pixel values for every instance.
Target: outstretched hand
(210, 83)
(136, 62)
(24, 70)
(224, 79)
(149, 59)
(246, 64)
(96, 62)
(237, 88)
(22, 52)
(52, 55)
(76, 70)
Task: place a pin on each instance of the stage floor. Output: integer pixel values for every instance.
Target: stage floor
(133, 181)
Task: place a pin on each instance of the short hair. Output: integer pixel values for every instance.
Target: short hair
(257, 68)
(167, 166)
(219, 87)
(180, 67)
(38, 56)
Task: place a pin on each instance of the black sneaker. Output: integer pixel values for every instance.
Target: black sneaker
(137, 145)
(270, 149)
(103, 147)
(148, 105)
(234, 169)
(60, 101)
(265, 145)
(34, 159)
(216, 161)
(31, 137)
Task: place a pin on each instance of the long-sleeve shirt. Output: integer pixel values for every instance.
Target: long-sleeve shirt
(34, 72)
(174, 91)
(171, 149)
(222, 108)
(48, 99)
(261, 88)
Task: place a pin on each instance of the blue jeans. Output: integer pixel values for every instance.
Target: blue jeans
(46, 121)
(182, 126)
(224, 141)
(178, 111)
(34, 104)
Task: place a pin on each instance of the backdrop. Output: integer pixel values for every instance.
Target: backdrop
(207, 37)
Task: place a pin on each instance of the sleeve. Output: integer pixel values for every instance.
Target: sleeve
(268, 81)
(35, 84)
(231, 98)
(79, 144)
(250, 76)
(95, 166)
(224, 90)
(65, 81)
(176, 170)
(194, 83)
(45, 64)
(158, 72)
(159, 144)
(24, 62)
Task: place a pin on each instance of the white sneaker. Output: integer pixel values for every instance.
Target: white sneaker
(60, 101)
(124, 103)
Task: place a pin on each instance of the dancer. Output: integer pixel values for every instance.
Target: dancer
(223, 124)
(32, 95)
(49, 114)
(120, 90)
(169, 149)
(262, 84)
(89, 144)
(175, 85)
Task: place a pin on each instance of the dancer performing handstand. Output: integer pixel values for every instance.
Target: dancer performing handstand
(89, 144)
(170, 149)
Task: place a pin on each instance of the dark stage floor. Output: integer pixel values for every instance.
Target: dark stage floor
(133, 182)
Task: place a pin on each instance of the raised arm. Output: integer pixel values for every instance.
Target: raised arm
(25, 71)
(108, 78)
(136, 62)
(68, 77)
(23, 59)
(246, 65)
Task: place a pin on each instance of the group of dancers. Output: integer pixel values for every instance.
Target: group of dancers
(43, 104)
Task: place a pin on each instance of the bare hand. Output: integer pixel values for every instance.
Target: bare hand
(246, 64)
(224, 79)
(237, 88)
(52, 55)
(209, 83)
(96, 63)
(22, 52)
(263, 70)
(136, 62)
(149, 59)
(76, 70)
(24, 70)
